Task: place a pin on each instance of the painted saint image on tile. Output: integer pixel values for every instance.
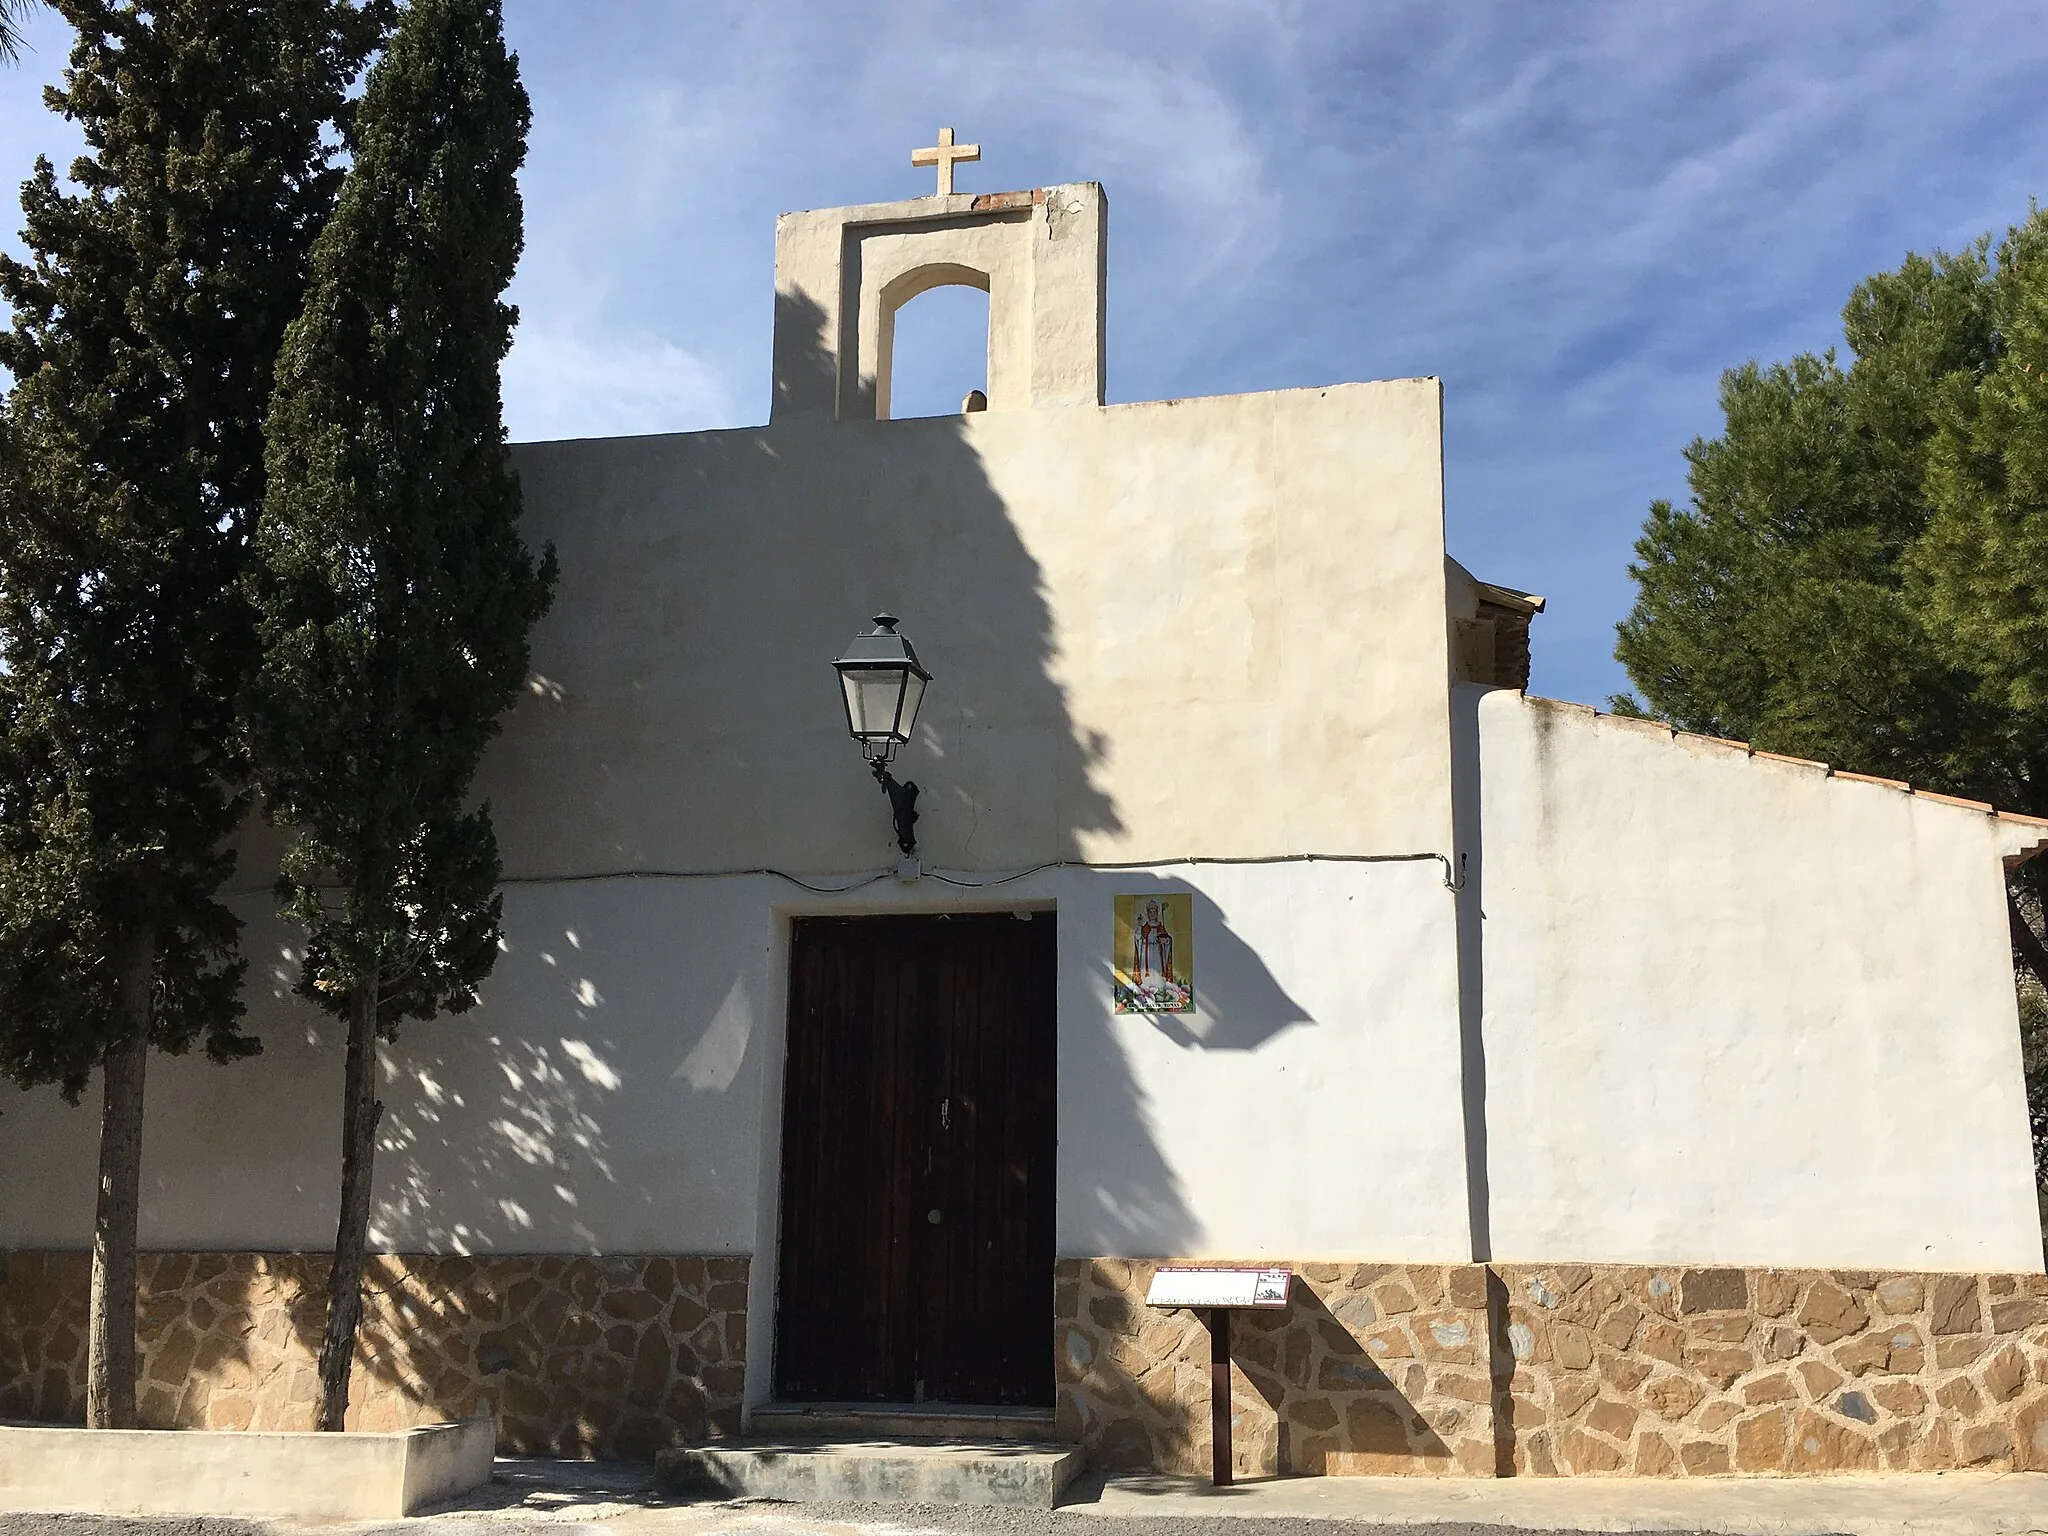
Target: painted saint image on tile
(1153, 962)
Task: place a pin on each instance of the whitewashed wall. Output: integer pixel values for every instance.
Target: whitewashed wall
(1738, 1011)
(1184, 627)
(618, 1089)
(606, 1096)
(1723, 1010)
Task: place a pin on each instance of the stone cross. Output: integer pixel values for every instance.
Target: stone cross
(943, 154)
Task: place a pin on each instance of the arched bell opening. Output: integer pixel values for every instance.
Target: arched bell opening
(940, 378)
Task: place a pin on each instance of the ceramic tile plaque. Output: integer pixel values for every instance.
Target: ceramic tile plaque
(1152, 960)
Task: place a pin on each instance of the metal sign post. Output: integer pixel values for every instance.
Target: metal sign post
(1219, 1396)
(1217, 1291)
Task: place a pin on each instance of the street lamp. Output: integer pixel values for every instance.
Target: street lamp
(883, 684)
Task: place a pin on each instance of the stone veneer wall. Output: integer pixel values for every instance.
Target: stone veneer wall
(612, 1356)
(1568, 1369)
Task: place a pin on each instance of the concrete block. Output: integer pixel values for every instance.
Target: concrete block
(890, 1423)
(242, 1472)
(873, 1471)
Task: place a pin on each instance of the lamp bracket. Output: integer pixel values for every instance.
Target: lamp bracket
(902, 806)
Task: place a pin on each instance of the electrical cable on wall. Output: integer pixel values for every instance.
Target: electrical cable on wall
(1454, 876)
(1454, 879)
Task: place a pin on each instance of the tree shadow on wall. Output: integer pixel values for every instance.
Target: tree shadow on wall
(1133, 1205)
(1321, 1387)
(1338, 1406)
(497, 1177)
(895, 512)
(544, 1124)
(1239, 1005)
(42, 1336)
(215, 1339)
(578, 1357)
(476, 1124)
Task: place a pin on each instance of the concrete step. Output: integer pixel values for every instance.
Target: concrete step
(892, 1471)
(900, 1421)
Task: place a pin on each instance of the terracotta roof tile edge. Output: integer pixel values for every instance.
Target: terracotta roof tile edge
(1969, 805)
(1639, 723)
(2019, 818)
(1719, 741)
(1871, 778)
(1509, 597)
(1569, 706)
(1780, 757)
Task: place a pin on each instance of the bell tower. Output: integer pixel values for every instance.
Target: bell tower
(842, 273)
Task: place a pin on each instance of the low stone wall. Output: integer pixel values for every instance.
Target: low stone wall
(1568, 1369)
(613, 1356)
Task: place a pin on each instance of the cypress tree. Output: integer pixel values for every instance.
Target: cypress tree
(131, 472)
(395, 594)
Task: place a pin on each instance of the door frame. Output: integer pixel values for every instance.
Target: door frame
(764, 1272)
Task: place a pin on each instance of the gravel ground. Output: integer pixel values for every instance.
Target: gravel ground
(999, 1521)
(887, 1519)
(623, 1502)
(16, 1523)
(543, 1498)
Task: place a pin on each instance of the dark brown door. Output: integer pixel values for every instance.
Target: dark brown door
(917, 1161)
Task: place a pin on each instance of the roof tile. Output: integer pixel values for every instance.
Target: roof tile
(1797, 762)
(1968, 805)
(1690, 738)
(1869, 778)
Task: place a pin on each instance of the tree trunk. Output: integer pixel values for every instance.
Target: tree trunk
(359, 1115)
(110, 1319)
(2024, 940)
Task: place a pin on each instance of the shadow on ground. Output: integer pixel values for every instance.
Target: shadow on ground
(570, 1490)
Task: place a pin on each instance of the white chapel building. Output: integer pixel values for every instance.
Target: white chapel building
(1622, 1101)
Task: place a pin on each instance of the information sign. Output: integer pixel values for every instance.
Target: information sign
(1219, 1288)
(1217, 1291)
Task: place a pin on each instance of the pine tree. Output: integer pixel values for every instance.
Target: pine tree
(1858, 577)
(1982, 565)
(395, 594)
(144, 331)
(12, 14)
(1862, 574)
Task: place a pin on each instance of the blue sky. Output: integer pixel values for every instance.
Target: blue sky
(1575, 214)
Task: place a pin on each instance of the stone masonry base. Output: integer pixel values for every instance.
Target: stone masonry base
(1462, 1370)
(1569, 1369)
(613, 1356)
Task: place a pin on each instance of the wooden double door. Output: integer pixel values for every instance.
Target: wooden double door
(917, 1161)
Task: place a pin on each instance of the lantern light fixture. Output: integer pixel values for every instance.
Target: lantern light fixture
(883, 684)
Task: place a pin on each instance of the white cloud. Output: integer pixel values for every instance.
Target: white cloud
(1576, 214)
(561, 381)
